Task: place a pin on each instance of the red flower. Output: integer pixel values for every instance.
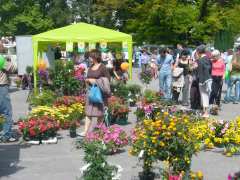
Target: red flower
(21, 125)
(32, 132)
(43, 128)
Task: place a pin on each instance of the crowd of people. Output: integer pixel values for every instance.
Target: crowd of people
(198, 76)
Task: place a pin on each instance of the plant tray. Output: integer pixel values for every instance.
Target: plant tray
(117, 176)
(48, 141)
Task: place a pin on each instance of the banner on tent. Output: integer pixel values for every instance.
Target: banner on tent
(92, 46)
(69, 46)
(81, 47)
(103, 46)
(125, 46)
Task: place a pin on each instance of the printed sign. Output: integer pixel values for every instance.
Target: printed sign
(125, 46)
(81, 47)
(92, 46)
(69, 46)
(103, 46)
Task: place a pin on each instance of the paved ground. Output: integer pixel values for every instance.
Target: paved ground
(62, 161)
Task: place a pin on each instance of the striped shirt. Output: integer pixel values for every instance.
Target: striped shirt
(4, 74)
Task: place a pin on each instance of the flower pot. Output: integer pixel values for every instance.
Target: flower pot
(73, 133)
(146, 176)
(132, 103)
(122, 120)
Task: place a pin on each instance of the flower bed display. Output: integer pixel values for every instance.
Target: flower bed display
(38, 128)
(118, 110)
(63, 114)
(114, 137)
(69, 100)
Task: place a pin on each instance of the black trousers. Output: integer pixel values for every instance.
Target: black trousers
(195, 98)
(215, 97)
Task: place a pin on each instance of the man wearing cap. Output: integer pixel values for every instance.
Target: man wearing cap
(5, 102)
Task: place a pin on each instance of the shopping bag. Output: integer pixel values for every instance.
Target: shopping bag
(95, 95)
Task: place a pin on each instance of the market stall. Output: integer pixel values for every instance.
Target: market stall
(80, 33)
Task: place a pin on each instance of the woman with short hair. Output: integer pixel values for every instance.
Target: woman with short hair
(218, 70)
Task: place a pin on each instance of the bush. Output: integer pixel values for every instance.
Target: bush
(45, 98)
(63, 80)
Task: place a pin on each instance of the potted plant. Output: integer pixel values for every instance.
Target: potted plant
(167, 138)
(97, 167)
(18, 82)
(114, 137)
(134, 93)
(73, 129)
(118, 110)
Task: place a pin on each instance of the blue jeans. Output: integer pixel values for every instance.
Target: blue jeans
(234, 80)
(165, 83)
(6, 111)
(237, 91)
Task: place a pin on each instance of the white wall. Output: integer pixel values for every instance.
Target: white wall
(24, 50)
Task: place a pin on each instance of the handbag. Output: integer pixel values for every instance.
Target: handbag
(95, 95)
(177, 72)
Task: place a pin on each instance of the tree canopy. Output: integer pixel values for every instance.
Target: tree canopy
(150, 21)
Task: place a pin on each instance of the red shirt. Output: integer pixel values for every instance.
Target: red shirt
(218, 68)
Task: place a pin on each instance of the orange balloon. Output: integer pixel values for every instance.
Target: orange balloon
(124, 66)
(42, 65)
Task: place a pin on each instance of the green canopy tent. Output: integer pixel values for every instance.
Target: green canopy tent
(80, 32)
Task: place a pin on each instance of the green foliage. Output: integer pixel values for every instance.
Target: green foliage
(22, 17)
(63, 78)
(98, 168)
(150, 21)
(167, 22)
(45, 98)
(29, 69)
(150, 96)
(134, 92)
(120, 89)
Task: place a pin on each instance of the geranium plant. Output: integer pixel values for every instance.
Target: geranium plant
(114, 137)
(38, 128)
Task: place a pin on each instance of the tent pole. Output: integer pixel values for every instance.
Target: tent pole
(130, 55)
(35, 61)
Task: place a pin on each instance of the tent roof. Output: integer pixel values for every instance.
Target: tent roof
(82, 32)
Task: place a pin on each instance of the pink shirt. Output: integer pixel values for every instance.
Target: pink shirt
(218, 68)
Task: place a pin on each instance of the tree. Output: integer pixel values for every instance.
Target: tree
(22, 17)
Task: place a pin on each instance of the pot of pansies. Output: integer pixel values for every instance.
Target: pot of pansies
(113, 137)
(38, 128)
(118, 110)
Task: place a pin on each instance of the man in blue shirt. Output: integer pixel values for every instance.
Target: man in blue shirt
(165, 62)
